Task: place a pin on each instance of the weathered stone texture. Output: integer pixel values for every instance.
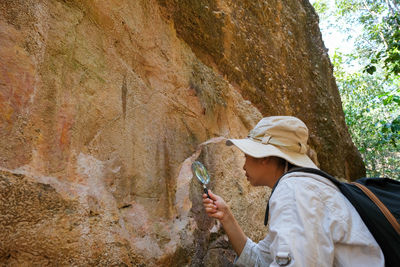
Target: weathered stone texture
(105, 104)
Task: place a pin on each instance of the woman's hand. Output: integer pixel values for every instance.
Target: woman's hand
(216, 207)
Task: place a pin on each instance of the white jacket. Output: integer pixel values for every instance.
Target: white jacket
(312, 224)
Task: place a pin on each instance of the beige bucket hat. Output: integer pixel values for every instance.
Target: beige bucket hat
(281, 136)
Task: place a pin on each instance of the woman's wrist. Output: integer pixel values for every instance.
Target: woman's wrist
(235, 234)
(228, 217)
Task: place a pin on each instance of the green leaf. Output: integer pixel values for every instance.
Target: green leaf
(370, 69)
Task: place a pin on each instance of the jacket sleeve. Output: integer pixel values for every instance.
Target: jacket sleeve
(299, 232)
(254, 254)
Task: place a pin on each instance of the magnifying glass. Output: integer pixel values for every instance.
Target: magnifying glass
(202, 175)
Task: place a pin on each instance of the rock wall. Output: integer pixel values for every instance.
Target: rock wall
(105, 104)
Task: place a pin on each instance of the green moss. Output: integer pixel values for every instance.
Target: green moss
(209, 86)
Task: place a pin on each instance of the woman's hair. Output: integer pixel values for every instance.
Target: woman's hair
(310, 153)
(282, 163)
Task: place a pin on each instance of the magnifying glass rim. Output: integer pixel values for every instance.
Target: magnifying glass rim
(198, 164)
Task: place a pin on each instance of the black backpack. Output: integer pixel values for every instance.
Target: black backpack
(383, 227)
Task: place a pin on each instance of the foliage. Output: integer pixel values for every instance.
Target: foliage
(370, 91)
(379, 43)
(321, 7)
(373, 117)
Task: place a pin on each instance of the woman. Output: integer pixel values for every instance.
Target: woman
(310, 222)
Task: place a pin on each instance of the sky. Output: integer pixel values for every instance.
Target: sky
(335, 39)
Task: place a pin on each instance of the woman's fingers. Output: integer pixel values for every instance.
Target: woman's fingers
(215, 206)
(207, 200)
(211, 210)
(212, 195)
(210, 206)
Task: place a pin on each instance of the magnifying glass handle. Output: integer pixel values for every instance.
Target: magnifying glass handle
(206, 191)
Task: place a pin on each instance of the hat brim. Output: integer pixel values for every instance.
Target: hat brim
(259, 150)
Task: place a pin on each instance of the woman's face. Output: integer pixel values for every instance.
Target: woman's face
(262, 172)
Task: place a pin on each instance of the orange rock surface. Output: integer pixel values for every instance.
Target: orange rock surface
(105, 104)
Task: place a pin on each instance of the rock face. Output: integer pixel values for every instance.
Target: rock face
(105, 104)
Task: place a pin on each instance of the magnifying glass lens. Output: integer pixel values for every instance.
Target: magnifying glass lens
(202, 175)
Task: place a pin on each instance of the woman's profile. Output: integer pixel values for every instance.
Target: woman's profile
(310, 222)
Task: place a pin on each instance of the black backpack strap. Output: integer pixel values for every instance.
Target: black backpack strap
(307, 170)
